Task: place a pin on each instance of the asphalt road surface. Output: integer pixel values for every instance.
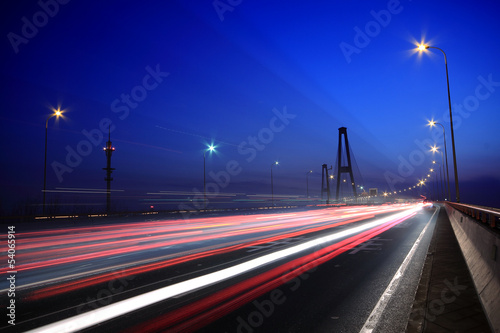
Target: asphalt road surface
(341, 269)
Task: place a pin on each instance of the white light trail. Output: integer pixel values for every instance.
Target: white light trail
(120, 308)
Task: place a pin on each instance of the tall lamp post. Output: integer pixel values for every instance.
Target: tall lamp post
(433, 123)
(307, 183)
(332, 177)
(210, 149)
(439, 168)
(432, 188)
(435, 149)
(56, 113)
(437, 180)
(423, 47)
(272, 187)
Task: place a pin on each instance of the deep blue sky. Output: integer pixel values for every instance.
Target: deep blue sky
(228, 68)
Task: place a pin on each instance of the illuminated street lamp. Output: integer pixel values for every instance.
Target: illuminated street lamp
(272, 187)
(56, 113)
(423, 47)
(433, 123)
(307, 183)
(435, 149)
(431, 170)
(210, 149)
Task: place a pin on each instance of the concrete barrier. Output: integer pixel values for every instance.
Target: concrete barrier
(479, 243)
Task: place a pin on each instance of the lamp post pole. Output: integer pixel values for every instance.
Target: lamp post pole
(204, 183)
(210, 149)
(307, 183)
(272, 186)
(432, 123)
(423, 47)
(56, 113)
(435, 149)
(431, 186)
(437, 179)
(331, 180)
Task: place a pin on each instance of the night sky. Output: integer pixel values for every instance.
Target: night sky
(261, 80)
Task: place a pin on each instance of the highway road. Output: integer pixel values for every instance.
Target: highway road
(332, 269)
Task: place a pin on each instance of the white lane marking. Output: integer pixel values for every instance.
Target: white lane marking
(114, 310)
(374, 317)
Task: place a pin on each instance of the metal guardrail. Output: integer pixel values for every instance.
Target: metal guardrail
(490, 216)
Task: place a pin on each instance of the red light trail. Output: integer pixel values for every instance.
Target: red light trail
(138, 248)
(156, 241)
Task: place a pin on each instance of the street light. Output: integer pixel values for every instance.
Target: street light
(307, 183)
(330, 181)
(210, 149)
(432, 188)
(436, 183)
(423, 47)
(435, 149)
(56, 113)
(272, 187)
(433, 123)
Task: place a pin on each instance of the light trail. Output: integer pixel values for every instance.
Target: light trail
(196, 316)
(94, 246)
(123, 239)
(114, 310)
(147, 267)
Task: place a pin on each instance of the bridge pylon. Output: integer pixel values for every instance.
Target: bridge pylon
(344, 168)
